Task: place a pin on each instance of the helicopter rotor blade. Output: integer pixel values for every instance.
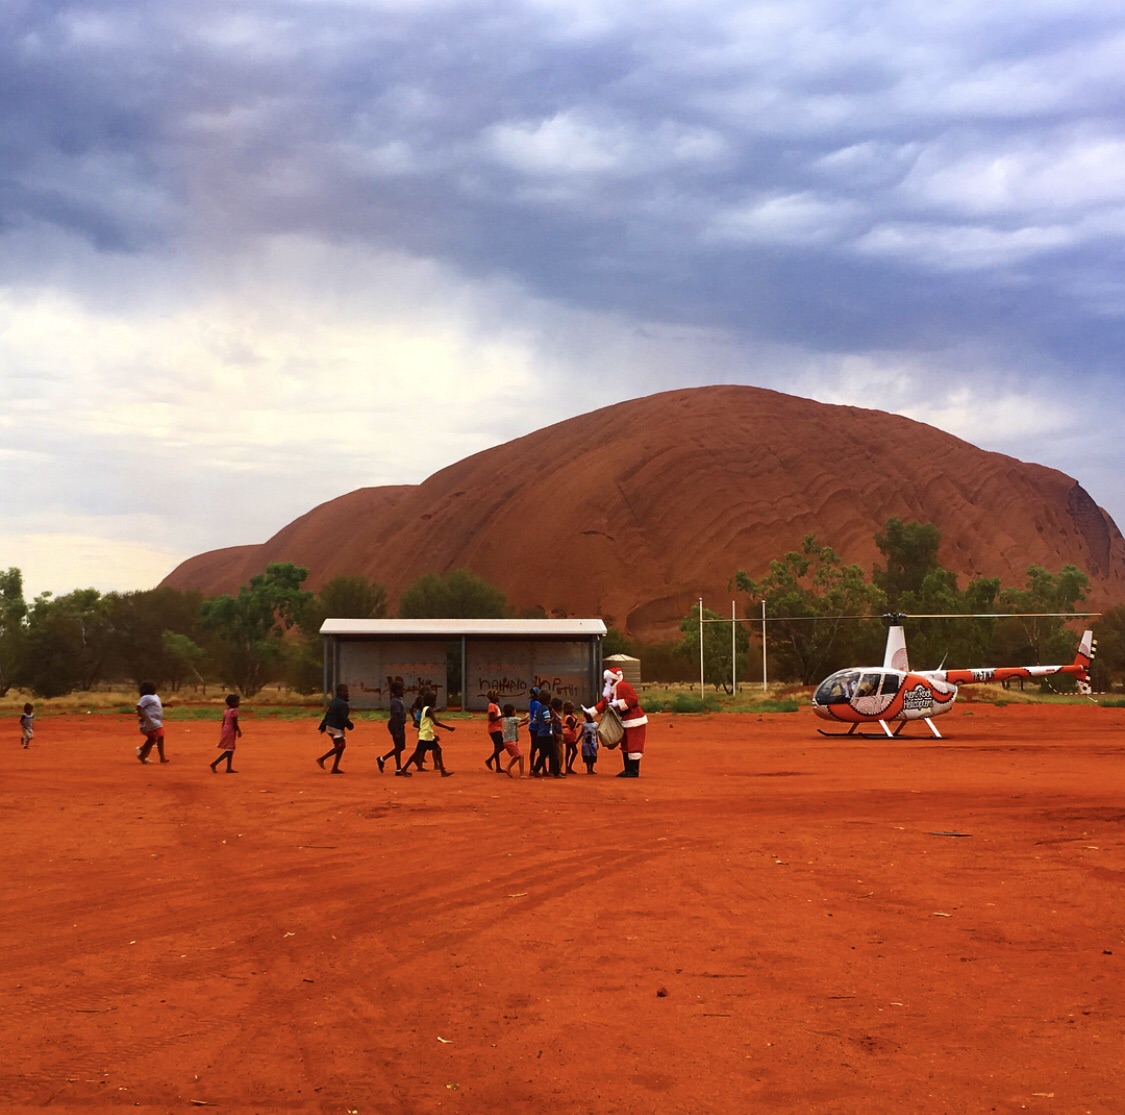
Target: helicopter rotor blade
(998, 615)
(917, 615)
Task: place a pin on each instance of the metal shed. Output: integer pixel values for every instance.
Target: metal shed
(508, 655)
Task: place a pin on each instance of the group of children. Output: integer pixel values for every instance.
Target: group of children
(556, 734)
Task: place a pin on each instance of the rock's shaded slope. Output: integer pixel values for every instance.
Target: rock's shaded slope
(633, 511)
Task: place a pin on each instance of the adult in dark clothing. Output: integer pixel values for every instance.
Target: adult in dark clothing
(396, 725)
(336, 722)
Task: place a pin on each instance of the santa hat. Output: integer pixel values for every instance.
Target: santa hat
(613, 674)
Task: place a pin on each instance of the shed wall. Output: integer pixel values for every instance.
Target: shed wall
(368, 667)
(513, 667)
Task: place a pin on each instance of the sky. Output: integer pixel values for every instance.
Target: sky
(255, 255)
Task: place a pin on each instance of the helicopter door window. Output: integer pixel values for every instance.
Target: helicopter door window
(868, 685)
(891, 684)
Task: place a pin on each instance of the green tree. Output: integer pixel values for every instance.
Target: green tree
(458, 595)
(910, 551)
(615, 642)
(249, 627)
(140, 622)
(1035, 640)
(917, 586)
(1109, 660)
(717, 657)
(810, 591)
(13, 627)
(69, 639)
(184, 658)
(343, 597)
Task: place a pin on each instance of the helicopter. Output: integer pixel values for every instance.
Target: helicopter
(894, 692)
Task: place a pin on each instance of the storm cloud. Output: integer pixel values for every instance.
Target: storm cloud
(254, 255)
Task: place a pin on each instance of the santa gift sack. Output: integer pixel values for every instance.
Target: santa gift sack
(610, 728)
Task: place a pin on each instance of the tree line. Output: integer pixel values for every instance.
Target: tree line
(268, 632)
(815, 602)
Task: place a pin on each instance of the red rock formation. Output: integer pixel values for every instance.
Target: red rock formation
(634, 511)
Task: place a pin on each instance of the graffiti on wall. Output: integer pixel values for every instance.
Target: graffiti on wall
(513, 668)
(368, 669)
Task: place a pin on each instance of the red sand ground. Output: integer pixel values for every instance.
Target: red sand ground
(765, 921)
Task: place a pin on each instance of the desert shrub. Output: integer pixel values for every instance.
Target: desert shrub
(685, 702)
(778, 706)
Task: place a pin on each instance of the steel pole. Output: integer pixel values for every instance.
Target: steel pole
(701, 648)
(733, 654)
(765, 684)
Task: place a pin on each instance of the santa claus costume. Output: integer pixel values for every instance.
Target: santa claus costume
(623, 697)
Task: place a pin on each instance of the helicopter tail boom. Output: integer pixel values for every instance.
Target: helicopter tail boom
(1079, 669)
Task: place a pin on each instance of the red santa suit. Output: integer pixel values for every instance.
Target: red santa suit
(623, 697)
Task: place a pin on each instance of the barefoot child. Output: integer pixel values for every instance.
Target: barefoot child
(27, 728)
(555, 754)
(589, 742)
(428, 738)
(511, 735)
(532, 730)
(336, 722)
(396, 725)
(150, 716)
(543, 740)
(570, 735)
(495, 731)
(229, 732)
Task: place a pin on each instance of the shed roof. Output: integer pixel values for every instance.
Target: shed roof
(455, 628)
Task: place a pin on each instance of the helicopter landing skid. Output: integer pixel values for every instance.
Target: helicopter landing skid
(887, 733)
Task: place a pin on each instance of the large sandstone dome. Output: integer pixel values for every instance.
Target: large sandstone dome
(634, 511)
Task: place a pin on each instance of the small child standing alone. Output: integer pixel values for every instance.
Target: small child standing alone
(27, 726)
(590, 743)
(150, 716)
(229, 732)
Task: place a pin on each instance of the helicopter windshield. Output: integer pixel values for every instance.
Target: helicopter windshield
(843, 685)
(838, 689)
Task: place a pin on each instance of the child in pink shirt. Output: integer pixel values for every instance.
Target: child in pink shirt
(229, 732)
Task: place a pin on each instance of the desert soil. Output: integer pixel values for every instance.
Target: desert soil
(766, 920)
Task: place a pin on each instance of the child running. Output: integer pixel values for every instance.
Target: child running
(336, 722)
(511, 737)
(27, 724)
(428, 738)
(229, 732)
(396, 725)
(589, 742)
(570, 735)
(495, 730)
(150, 716)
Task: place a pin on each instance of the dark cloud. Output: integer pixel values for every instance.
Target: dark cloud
(840, 179)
